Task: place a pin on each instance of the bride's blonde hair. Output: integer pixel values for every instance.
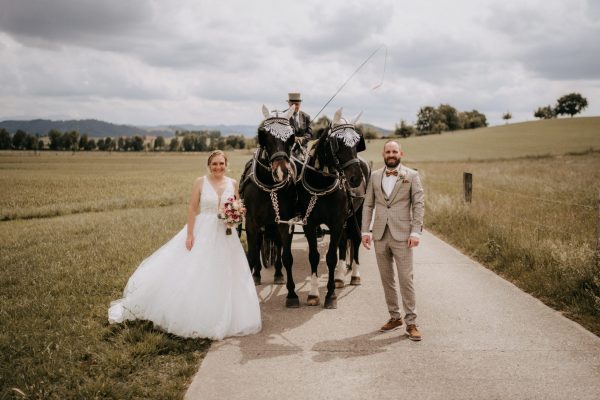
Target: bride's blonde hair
(216, 153)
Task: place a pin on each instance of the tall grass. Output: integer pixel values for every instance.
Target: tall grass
(533, 221)
(57, 279)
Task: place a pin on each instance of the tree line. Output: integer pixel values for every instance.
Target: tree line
(569, 104)
(74, 141)
(433, 120)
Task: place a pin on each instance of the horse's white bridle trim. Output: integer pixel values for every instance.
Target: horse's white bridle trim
(281, 129)
(347, 133)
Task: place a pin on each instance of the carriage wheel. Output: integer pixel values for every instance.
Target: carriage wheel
(268, 253)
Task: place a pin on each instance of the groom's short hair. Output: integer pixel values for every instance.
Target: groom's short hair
(392, 141)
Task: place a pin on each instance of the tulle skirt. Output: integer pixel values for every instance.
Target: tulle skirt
(206, 292)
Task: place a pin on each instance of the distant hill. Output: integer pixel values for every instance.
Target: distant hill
(226, 130)
(381, 131)
(96, 128)
(92, 127)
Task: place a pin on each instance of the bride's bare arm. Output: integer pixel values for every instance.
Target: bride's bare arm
(236, 189)
(193, 211)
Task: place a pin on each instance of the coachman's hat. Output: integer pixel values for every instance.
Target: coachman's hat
(294, 98)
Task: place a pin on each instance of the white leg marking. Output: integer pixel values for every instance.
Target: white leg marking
(314, 285)
(355, 269)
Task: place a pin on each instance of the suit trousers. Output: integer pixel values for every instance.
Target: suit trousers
(388, 251)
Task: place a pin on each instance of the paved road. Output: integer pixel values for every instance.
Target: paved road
(483, 338)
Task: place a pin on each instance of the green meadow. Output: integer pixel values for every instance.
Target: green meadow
(75, 226)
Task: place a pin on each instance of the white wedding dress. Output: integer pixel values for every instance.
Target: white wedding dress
(207, 292)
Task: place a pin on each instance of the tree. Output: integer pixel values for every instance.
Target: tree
(449, 116)
(137, 144)
(159, 143)
(55, 139)
(18, 140)
(70, 140)
(83, 140)
(109, 144)
(404, 130)
(5, 139)
(506, 116)
(121, 144)
(426, 119)
(90, 145)
(473, 119)
(174, 145)
(544, 112)
(30, 142)
(571, 104)
(188, 142)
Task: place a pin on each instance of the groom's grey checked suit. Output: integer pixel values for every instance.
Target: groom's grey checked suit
(397, 215)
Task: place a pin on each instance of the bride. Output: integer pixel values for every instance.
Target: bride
(198, 284)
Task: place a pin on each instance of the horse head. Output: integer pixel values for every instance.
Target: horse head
(276, 137)
(343, 141)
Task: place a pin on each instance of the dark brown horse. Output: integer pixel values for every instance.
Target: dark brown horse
(269, 195)
(331, 170)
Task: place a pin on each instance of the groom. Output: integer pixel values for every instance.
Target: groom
(396, 194)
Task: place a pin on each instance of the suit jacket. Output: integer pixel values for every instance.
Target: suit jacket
(402, 212)
(302, 129)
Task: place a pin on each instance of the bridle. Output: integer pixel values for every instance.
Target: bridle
(281, 129)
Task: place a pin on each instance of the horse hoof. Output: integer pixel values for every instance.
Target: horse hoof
(256, 280)
(279, 280)
(292, 303)
(339, 284)
(313, 300)
(355, 280)
(330, 303)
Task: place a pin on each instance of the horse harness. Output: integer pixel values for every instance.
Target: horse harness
(355, 198)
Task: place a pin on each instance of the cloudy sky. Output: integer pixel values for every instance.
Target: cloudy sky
(193, 61)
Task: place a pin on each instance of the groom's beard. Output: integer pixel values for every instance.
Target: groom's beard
(392, 162)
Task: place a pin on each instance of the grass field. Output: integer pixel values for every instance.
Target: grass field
(76, 226)
(527, 139)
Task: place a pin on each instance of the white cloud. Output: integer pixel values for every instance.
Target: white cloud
(158, 62)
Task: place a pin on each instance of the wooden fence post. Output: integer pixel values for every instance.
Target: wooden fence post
(468, 186)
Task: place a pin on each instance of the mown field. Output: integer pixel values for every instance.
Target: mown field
(74, 227)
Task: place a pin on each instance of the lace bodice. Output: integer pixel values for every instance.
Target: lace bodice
(209, 200)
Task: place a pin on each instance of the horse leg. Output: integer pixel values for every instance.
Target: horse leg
(331, 297)
(292, 300)
(340, 269)
(278, 278)
(254, 242)
(313, 258)
(355, 277)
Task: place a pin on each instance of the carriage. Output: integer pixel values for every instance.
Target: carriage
(325, 186)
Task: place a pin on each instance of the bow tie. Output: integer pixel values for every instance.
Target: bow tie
(389, 172)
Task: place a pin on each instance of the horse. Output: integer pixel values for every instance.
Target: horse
(352, 234)
(324, 185)
(268, 190)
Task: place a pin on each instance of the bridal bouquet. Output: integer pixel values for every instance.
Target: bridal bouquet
(232, 213)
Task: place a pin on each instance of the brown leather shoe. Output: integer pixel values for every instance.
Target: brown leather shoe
(413, 333)
(391, 325)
